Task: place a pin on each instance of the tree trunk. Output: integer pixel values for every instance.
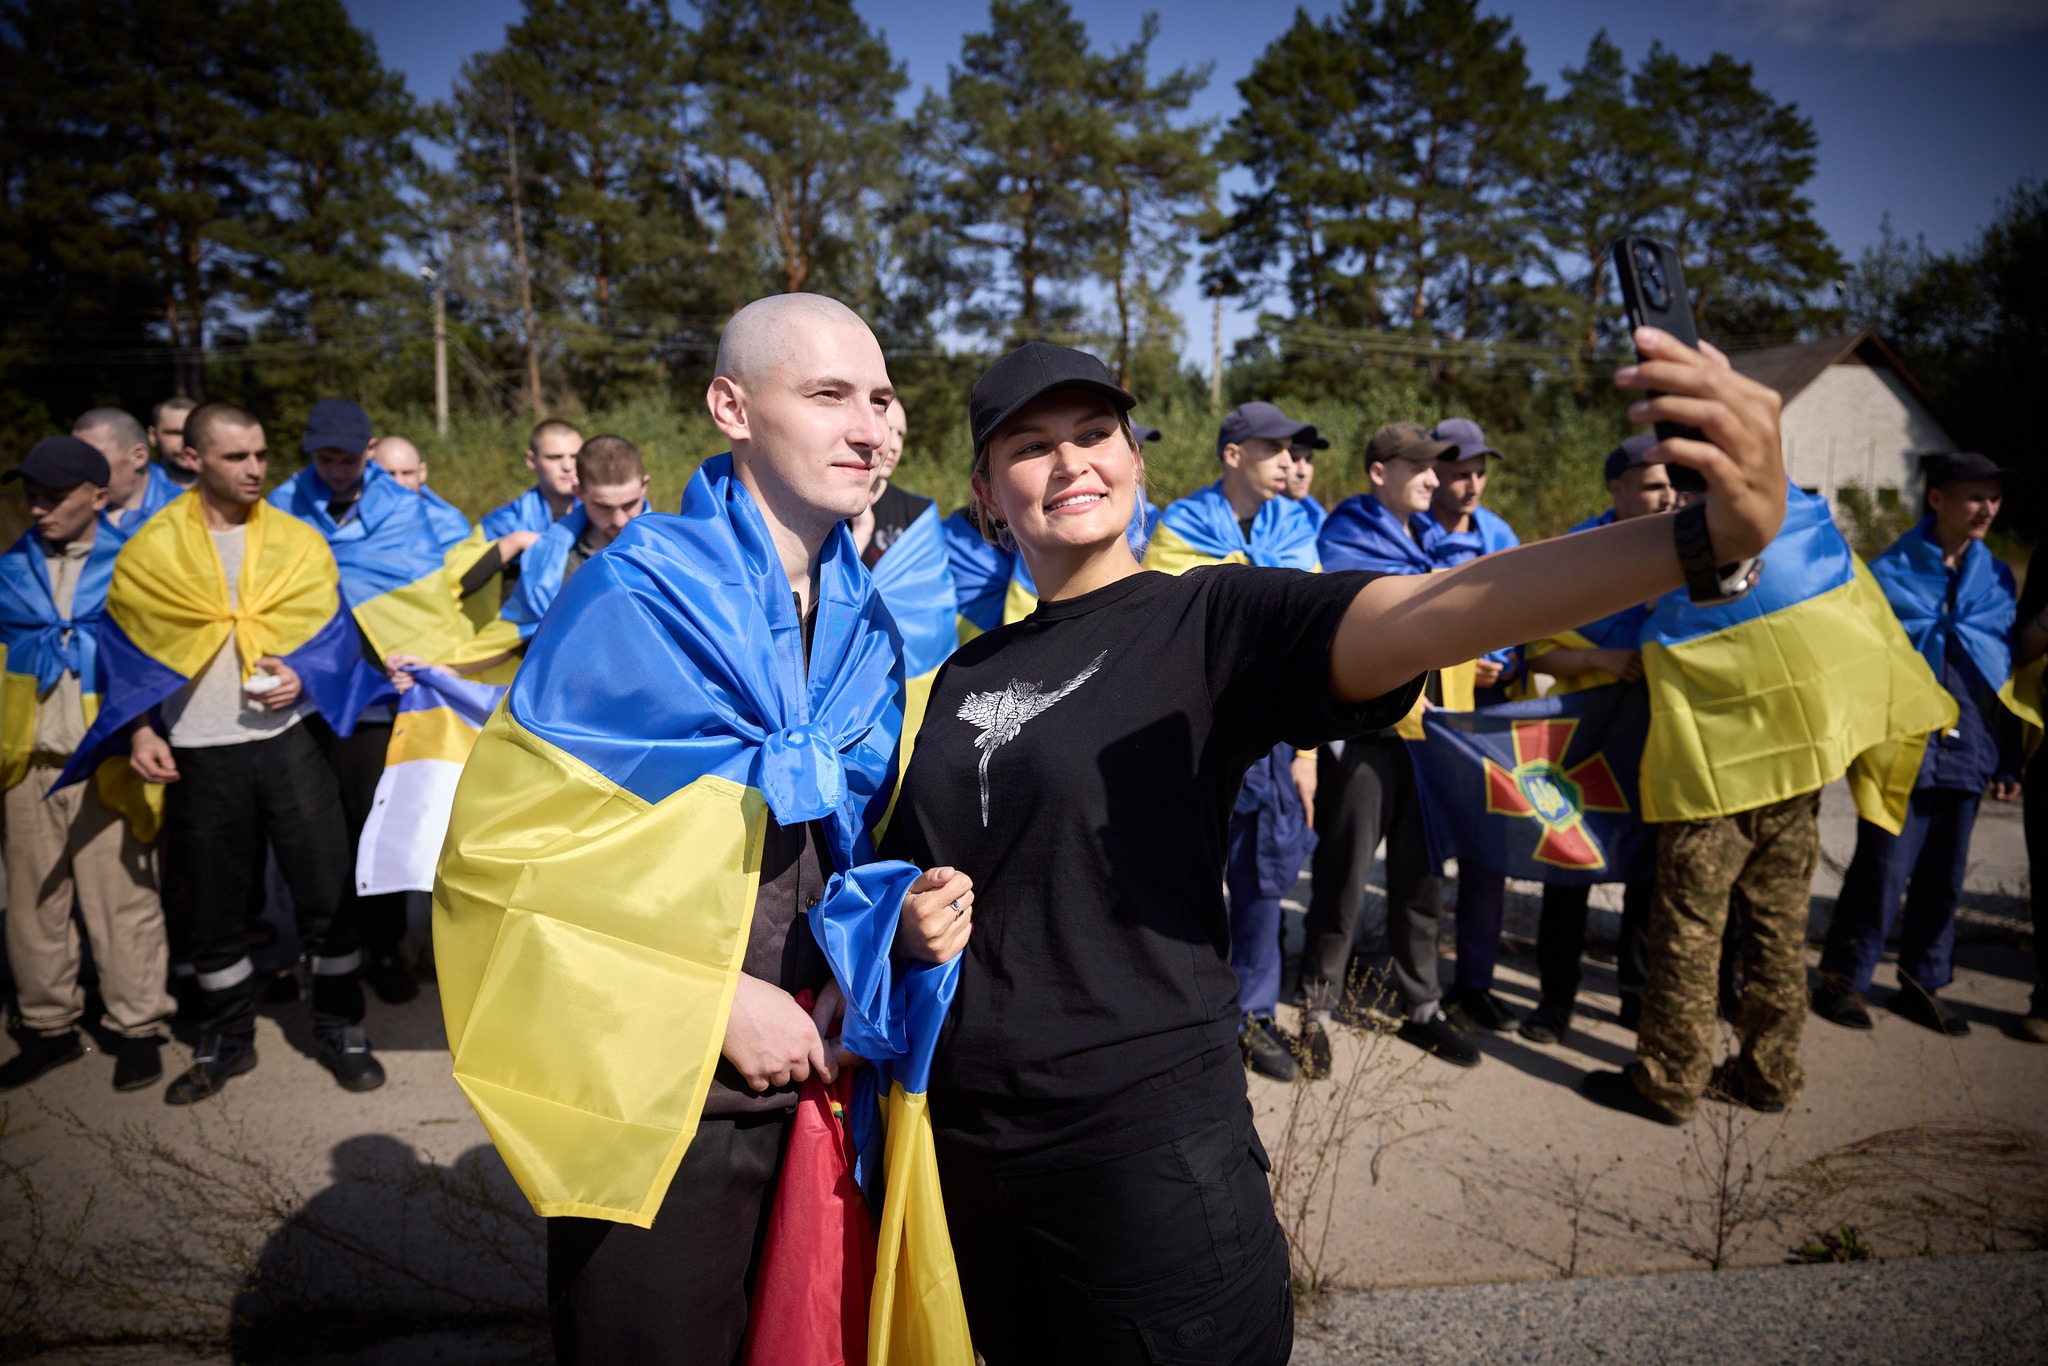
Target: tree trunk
(533, 397)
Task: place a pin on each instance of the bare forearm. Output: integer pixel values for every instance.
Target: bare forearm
(1398, 627)
(1566, 663)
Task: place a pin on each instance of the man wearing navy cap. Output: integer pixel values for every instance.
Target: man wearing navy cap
(1957, 602)
(53, 588)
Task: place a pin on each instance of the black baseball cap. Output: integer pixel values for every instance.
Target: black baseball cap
(336, 423)
(1309, 440)
(1405, 441)
(58, 462)
(1251, 421)
(1463, 433)
(1144, 435)
(1958, 466)
(1034, 369)
(1629, 454)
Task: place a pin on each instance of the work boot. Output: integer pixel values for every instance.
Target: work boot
(1483, 1009)
(1843, 1006)
(345, 1051)
(1617, 1091)
(1315, 1049)
(1925, 1008)
(218, 1057)
(1547, 1023)
(39, 1053)
(1728, 1085)
(1440, 1038)
(1266, 1052)
(138, 1063)
(391, 979)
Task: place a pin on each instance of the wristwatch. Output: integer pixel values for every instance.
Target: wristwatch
(1707, 581)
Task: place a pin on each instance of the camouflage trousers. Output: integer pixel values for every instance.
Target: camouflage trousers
(1768, 854)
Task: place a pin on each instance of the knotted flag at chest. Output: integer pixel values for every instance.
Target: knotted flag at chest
(603, 857)
(168, 614)
(1203, 528)
(1784, 689)
(393, 569)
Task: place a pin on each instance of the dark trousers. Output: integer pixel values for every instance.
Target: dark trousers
(2036, 816)
(1254, 922)
(1363, 796)
(675, 1294)
(1561, 941)
(358, 763)
(1172, 1254)
(228, 801)
(1925, 861)
(1482, 901)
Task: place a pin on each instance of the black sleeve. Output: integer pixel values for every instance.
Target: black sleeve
(1269, 638)
(480, 573)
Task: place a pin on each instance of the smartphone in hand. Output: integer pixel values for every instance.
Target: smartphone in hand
(1653, 295)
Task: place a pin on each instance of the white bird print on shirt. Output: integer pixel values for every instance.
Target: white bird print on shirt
(1001, 715)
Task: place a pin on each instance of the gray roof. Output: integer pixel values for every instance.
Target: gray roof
(1789, 369)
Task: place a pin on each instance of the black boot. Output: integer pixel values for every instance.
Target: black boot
(39, 1053)
(345, 1051)
(391, 979)
(1439, 1037)
(218, 1057)
(1266, 1052)
(1547, 1022)
(138, 1063)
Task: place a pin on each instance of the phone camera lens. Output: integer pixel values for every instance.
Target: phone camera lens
(1651, 276)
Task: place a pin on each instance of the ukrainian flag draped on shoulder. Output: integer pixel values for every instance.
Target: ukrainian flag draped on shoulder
(917, 588)
(157, 492)
(542, 570)
(528, 512)
(603, 857)
(392, 569)
(1202, 528)
(1780, 691)
(981, 576)
(39, 645)
(168, 614)
(1362, 534)
(1916, 584)
(1447, 549)
(1621, 630)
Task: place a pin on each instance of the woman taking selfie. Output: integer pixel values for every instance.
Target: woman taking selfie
(1105, 1188)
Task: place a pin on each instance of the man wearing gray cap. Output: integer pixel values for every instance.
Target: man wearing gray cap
(53, 588)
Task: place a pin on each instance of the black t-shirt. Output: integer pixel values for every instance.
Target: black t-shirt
(894, 511)
(1081, 766)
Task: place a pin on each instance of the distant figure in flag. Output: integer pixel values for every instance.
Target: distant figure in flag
(512, 527)
(1367, 789)
(1957, 602)
(1247, 517)
(1105, 1187)
(227, 625)
(167, 435)
(662, 838)
(1302, 477)
(465, 553)
(902, 542)
(613, 480)
(138, 489)
(1458, 529)
(1601, 653)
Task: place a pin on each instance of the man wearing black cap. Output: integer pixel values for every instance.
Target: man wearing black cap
(53, 589)
(1612, 656)
(1957, 602)
(1302, 474)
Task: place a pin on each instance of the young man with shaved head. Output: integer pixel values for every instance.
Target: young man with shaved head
(135, 488)
(751, 602)
(167, 434)
(613, 481)
(551, 455)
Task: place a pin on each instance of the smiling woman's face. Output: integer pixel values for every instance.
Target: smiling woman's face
(1063, 473)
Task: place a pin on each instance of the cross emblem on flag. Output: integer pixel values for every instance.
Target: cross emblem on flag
(1556, 798)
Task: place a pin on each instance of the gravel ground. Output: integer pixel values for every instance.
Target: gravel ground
(1991, 1309)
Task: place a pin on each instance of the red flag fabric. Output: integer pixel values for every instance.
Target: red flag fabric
(810, 1305)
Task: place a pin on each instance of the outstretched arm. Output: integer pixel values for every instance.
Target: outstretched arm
(1399, 627)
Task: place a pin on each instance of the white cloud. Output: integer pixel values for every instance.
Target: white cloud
(1888, 25)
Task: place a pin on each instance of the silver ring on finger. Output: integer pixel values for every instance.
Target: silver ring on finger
(958, 909)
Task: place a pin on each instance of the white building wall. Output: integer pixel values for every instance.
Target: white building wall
(1858, 424)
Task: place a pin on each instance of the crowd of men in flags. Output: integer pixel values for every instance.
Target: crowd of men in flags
(200, 677)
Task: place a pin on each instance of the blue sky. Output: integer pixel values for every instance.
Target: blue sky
(1926, 109)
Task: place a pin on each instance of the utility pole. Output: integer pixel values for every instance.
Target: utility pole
(1216, 354)
(440, 349)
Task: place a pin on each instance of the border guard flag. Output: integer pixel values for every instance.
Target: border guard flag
(1780, 691)
(603, 858)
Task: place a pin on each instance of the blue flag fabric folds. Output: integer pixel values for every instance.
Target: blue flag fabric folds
(917, 587)
(528, 512)
(450, 526)
(1543, 790)
(540, 572)
(1448, 549)
(1916, 584)
(1363, 534)
(1203, 526)
(39, 642)
(389, 542)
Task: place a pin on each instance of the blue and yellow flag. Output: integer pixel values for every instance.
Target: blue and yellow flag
(542, 568)
(1621, 630)
(1362, 533)
(1979, 618)
(38, 646)
(1780, 691)
(168, 614)
(1317, 513)
(449, 525)
(599, 878)
(439, 718)
(157, 494)
(1202, 528)
(1448, 549)
(393, 569)
(1543, 790)
(917, 587)
(981, 576)
(528, 512)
